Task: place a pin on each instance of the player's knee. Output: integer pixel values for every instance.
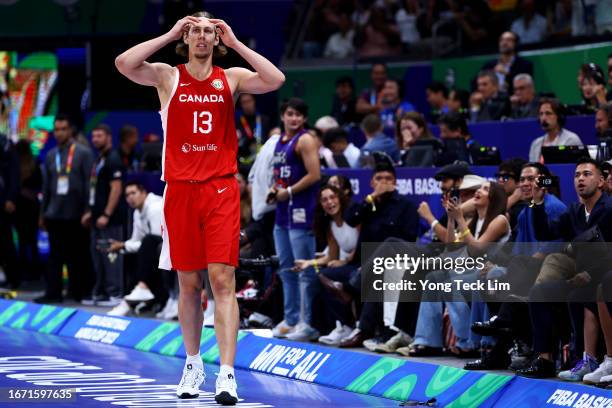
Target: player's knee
(223, 288)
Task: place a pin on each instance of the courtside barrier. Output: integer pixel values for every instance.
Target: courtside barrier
(390, 377)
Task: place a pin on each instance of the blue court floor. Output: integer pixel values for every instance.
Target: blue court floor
(105, 376)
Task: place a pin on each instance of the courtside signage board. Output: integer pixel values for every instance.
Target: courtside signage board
(30, 316)
(524, 392)
(389, 377)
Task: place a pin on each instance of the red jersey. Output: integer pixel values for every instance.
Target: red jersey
(200, 141)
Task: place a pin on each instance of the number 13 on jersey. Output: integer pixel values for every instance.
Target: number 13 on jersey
(202, 122)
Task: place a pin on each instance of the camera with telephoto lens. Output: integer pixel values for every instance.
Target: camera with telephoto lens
(548, 181)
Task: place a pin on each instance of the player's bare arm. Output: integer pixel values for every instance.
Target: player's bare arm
(266, 77)
(133, 62)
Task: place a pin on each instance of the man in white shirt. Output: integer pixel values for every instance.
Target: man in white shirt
(552, 121)
(145, 241)
(531, 27)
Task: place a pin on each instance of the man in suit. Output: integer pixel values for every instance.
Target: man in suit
(508, 64)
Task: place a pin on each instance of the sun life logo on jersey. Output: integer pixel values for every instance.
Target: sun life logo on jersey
(186, 148)
(217, 84)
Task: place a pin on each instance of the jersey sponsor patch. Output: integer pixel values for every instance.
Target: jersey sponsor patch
(217, 84)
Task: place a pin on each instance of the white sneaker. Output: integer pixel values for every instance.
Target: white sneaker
(172, 312)
(189, 387)
(122, 309)
(604, 370)
(110, 302)
(225, 392)
(371, 344)
(282, 329)
(139, 294)
(337, 335)
(162, 313)
(304, 332)
(260, 320)
(390, 346)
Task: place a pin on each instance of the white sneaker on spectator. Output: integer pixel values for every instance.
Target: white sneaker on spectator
(225, 390)
(605, 381)
(304, 332)
(189, 387)
(604, 370)
(172, 312)
(371, 344)
(583, 367)
(110, 302)
(337, 335)
(122, 309)
(140, 294)
(390, 346)
(282, 330)
(260, 320)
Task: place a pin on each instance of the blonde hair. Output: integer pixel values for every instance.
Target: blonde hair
(182, 49)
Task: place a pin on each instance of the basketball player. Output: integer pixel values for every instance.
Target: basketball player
(201, 220)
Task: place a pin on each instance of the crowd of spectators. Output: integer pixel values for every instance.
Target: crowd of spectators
(105, 227)
(386, 28)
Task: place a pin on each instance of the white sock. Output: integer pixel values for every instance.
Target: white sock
(195, 361)
(226, 370)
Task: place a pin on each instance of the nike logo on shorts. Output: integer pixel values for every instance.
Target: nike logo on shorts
(222, 190)
(185, 84)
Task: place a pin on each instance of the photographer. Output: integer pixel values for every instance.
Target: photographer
(146, 243)
(566, 276)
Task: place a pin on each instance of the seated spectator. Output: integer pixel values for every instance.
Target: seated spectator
(458, 142)
(342, 183)
(490, 225)
(509, 325)
(146, 242)
(344, 102)
(451, 178)
(322, 125)
(571, 276)
(340, 44)
(552, 120)
(382, 215)
(368, 99)
(412, 129)
(345, 154)
(437, 97)
(392, 105)
(473, 18)
(379, 38)
(459, 102)
(495, 104)
(507, 175)
(509, 64)
(376, 140)
(603, 121)
(531, 27)
(252, 128)
(524, 101)
(559, 19)
(593, 88)
(341, 239)
(128, 141)
(406, 20)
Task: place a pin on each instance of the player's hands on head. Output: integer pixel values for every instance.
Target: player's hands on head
(225, 32)
(182, 26)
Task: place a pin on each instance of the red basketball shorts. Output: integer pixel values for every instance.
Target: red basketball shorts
(200, 224)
